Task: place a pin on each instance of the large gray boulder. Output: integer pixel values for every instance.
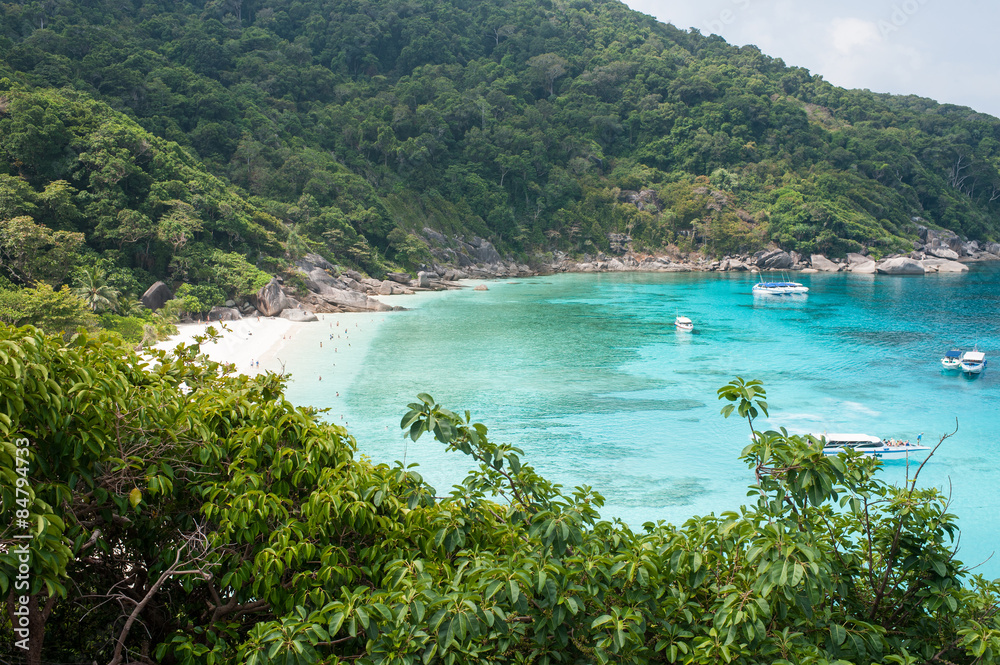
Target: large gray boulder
(854, 257)
(482, 251)
(298, 315)
(823, 264)
(390, 288)
(777, 259)
(736, 265)
(271, 300)
(899, 266)
(311, 261)
(399, 277)
(156, 296)
(992, 248)
(318, 280)
(866, 268)
(455, 275)
(941, 252)
(953, 266)
(224, 314)
(424, 279)
(354, 274)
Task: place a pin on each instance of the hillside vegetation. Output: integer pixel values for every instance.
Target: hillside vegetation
(183, 138)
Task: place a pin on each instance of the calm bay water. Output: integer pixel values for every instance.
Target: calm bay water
(586, 373)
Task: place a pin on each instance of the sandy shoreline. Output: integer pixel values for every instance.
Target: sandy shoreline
(249, 344)
(256, 345)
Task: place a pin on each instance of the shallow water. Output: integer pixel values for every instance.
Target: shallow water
(586, 373)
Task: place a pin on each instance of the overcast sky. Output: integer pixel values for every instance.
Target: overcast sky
(943, 49)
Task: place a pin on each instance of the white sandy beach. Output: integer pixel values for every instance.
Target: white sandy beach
(261, 344)
(331, 351)
(250, 344)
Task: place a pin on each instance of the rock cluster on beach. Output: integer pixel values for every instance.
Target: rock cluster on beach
(323, 287)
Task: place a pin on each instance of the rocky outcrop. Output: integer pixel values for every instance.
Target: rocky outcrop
(311, 261)
(935, 238)
(224, 314)
(865, 268)
(424, 279)
(853, 257)
(271, 300)
(343, 293)
(775, 259)
(156, 296)
(899, 266)
(942, 252)
(390, 288)
(952, 266)
(298, 315)
(481, 287)
(644, 199)
(461, 251)
(823, 264)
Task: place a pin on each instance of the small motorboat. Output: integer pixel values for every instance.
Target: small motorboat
(952, 359)
(973, 362)
(868, 445)
(779, 288)
(683, 323)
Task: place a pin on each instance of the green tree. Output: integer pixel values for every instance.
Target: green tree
(51, 310)
(32, 253)
(92, 287)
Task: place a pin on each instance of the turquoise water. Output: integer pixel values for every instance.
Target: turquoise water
(586, 373)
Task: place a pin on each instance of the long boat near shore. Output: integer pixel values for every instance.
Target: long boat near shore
(866, 444)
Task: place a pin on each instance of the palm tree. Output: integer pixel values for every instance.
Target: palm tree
(93, 288)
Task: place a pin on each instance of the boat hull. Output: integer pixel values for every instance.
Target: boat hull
(780, 289)
(884, 452)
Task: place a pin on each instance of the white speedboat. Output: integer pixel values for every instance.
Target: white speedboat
(973, 362)
(779, 288)
(952, 359)
(683, 323)
(868, 445)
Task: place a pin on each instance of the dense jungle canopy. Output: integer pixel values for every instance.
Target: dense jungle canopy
(188, 140)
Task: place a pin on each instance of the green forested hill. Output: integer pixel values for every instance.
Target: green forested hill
(331, 125)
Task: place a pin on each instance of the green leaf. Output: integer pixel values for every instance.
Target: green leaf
(600, 621)
(837, 634)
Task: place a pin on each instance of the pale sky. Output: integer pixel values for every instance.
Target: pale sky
(943, 49)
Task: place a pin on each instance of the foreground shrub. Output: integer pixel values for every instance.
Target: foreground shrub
(179, 514)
